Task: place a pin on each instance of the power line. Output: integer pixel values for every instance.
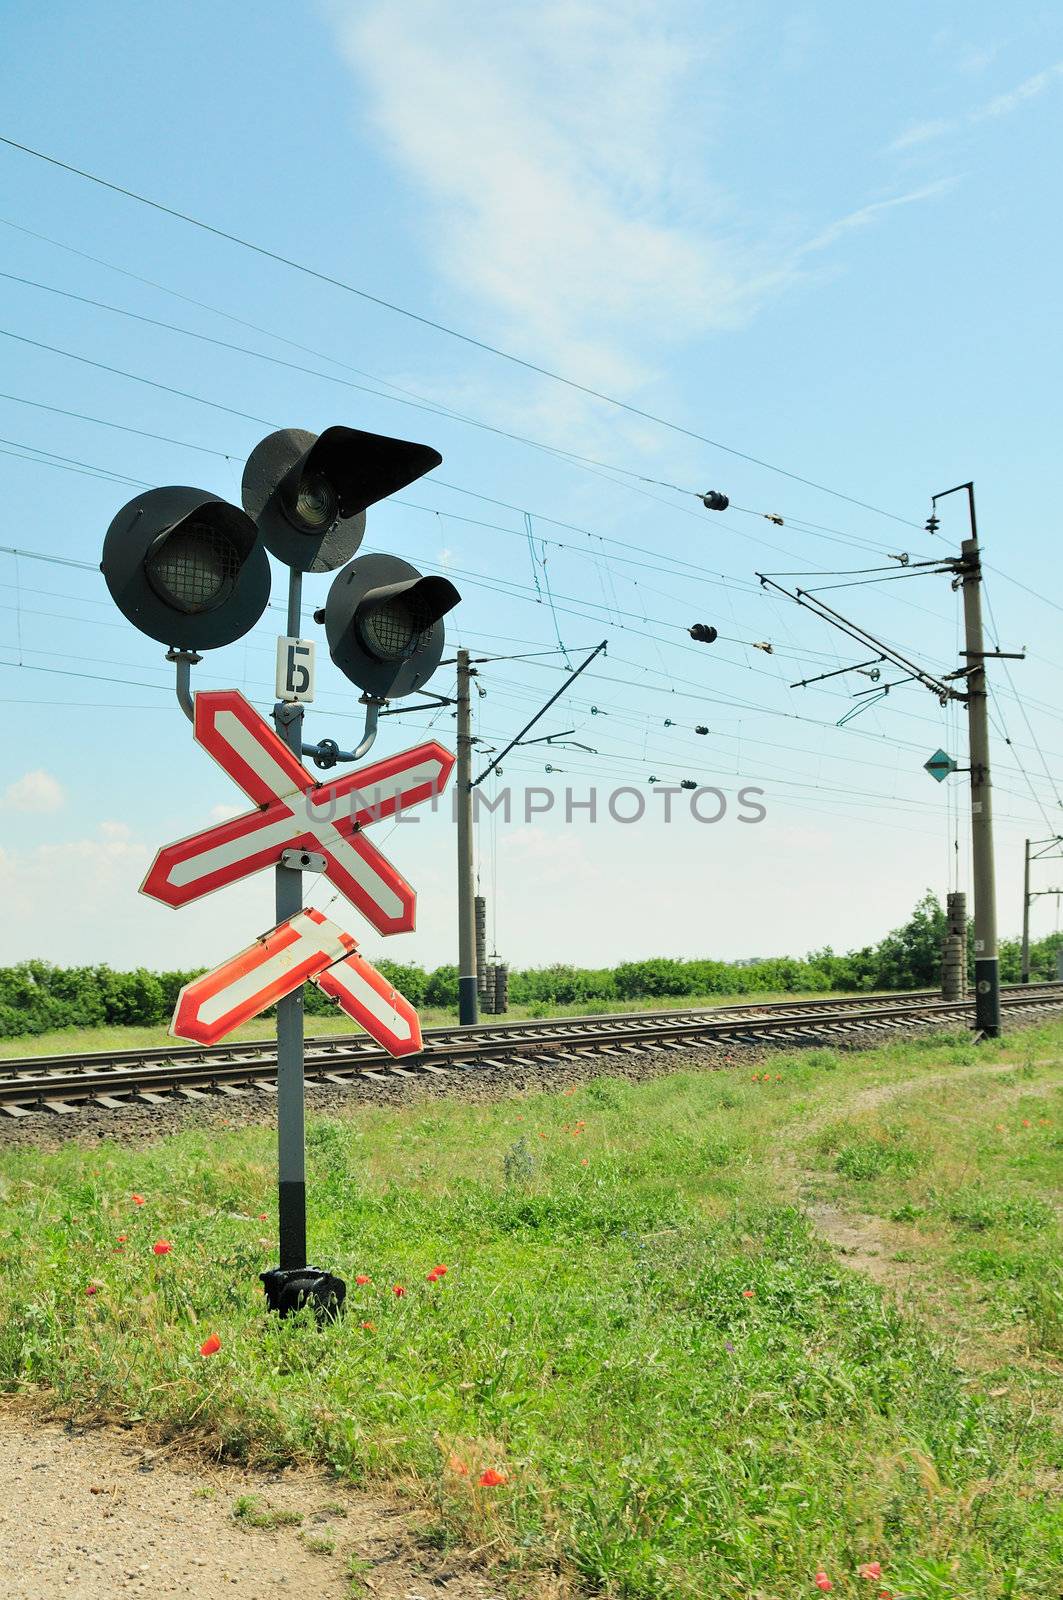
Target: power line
(440, 327)
(418, 403)
(121, 427)
(1029, 728)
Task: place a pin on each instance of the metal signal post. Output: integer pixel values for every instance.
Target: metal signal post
(291, 1114)
(986, 959)
(467, 997)
(1035, 850)
(191, 571)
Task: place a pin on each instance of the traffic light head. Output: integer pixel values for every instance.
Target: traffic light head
(309, 492)
(186, 568)
(383, 621)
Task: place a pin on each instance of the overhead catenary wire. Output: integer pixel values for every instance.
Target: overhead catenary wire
(705, 695)
(439, 327)
(400, 395)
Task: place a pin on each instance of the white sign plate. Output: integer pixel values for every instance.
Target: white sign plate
(295, 670)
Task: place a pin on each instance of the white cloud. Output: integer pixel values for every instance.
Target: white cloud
(223, 813)
(566, 153)
(1001, 105)
(922, 133)
(865, 214)
(554, 147)
(35, 791)
(1030, 89)
(78, 901)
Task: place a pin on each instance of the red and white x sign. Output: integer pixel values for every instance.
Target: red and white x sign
(296, 813)
(307, 946)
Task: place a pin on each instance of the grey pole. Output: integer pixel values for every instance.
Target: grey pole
(468, 1010)
(986, 961)
(1025, 975)
(291, 1158)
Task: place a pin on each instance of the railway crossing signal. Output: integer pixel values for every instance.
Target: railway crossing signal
(186, 568)
(191, 571)
(308, 493)
(294, 813)
(308, 947)
(384, 625)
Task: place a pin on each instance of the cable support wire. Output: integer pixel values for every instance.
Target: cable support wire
(439, 327)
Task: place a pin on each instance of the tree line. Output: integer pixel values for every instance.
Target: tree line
(36, 996)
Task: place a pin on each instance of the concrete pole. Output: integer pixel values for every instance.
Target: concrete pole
(1025, 975)
(291, 1154)
(986, 960)
(468, 1009)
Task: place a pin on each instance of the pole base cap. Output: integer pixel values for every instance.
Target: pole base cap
(289, 1289)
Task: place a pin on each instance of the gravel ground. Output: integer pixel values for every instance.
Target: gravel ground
(97, 1513)
(135, 1123)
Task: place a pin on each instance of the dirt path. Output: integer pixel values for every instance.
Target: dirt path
(99, 1513)
(880, 1249)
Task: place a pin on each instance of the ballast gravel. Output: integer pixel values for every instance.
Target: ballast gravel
(135, 1123)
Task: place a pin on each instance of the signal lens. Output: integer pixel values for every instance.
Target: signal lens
(193, 569)
(317, 504)
(397, 628)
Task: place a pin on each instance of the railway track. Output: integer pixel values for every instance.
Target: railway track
(62, 1083)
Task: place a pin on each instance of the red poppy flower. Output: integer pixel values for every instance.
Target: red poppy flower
(371, 1326)
(210, 1346)
(138, 1199)
(822, 1582)
(162, 1247)
(583, 1163)
(398, 1290)
(122, 1237)
(491, 1479)
(363, 1277)
(870, 1569)
(431, 1277)
(92, 1288)
(749, 1294)
(263, 1216)
(440, 1271)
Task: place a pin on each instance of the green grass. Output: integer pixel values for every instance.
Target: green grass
(685, 1391)
(977, 1176)
(249, 1511)
(73, 1041)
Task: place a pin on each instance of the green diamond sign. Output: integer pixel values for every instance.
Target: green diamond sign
(940, 765)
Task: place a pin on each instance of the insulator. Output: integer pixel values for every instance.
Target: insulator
(713, 500)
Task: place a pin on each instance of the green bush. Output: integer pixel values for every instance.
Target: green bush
(36, 997)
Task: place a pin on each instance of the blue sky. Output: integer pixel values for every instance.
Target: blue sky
(824, 236)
